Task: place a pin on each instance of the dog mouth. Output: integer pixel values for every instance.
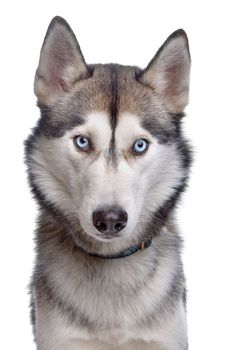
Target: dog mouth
(108, 237)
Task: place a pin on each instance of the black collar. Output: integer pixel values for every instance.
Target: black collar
(126, 252)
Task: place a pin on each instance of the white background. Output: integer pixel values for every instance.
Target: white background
(127, 32)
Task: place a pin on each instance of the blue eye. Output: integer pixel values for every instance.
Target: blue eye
(81, 142)
(140, 146)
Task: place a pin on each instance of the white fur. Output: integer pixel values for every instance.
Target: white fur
(54, 333)
(84, 302)
(79, 184)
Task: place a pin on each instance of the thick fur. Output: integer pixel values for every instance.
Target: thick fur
(84, 302)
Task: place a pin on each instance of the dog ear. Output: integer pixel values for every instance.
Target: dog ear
(61, 63)
(168, 72)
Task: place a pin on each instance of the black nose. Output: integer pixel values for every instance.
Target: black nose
(110, 220)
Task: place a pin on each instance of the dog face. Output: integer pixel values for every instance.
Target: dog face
(107, 151)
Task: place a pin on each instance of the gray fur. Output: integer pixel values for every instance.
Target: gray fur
(84, 302)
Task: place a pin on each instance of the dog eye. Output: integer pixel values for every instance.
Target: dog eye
(81, 142)
(140, 146)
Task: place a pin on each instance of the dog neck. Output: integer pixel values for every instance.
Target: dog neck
(123, 253)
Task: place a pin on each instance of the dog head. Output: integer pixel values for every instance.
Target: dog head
(108, 151)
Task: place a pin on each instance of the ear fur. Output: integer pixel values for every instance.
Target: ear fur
(168, 72)
(61, 63)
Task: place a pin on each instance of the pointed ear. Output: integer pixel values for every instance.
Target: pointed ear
(168, 72)
(61, 63)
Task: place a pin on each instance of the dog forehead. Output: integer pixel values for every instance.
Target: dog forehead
(114, 89)
(98, 125)
(128, 126)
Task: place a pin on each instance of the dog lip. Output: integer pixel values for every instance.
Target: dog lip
(108, 236)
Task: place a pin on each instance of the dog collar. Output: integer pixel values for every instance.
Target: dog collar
(124, 253)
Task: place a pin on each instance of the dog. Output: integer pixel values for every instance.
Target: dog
(107, 163)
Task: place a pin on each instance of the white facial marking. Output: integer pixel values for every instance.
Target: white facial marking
(97, 128)
(79, 182)
(155, 174)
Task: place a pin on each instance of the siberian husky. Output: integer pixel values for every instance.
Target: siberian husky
(107, 163)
